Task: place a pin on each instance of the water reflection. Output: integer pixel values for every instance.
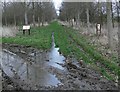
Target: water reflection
(32, 74)
(55, 57)
(14, 66)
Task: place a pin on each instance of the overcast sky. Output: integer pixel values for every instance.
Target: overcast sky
(57, 4)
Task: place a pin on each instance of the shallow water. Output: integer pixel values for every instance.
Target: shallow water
(30, 74)
(55, 57)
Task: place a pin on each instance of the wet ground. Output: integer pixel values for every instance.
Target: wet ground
(27, 68)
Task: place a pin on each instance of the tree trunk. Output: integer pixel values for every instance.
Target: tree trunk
(33, 19)
(6, 21)
(112, 16)
(5, 13)
(118, 12)
(88, 22)
(14, 20)
(39, 21)
(33, 14)
(109, 26)
(101, 14)
(43, 20)
(26, 18)
(78, 19)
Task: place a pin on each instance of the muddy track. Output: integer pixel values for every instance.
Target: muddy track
(97, 63)
(74, 77)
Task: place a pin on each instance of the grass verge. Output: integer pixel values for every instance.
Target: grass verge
(71, 44)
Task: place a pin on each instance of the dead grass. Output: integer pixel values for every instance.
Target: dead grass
(8, 31)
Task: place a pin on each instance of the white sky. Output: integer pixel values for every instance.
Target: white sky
(57, 4)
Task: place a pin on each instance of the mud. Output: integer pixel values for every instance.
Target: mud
(72, 76)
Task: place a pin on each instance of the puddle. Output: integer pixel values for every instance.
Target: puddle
(28, 73)
(55, 57)
(34, 72)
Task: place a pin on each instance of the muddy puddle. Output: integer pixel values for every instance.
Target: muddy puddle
(33, 69)
(23, 72)
(43, 73)
(32, 74)
(55, 58)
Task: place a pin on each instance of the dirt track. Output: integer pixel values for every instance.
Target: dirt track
(74, 77)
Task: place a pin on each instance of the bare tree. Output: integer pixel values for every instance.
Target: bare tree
(14, 5)
(88, 20)
(19, 13)
(26, 5)
(109, 25)
(39, 13)
(5, 15)
(118, 12)
(33, 5)
(26, 18)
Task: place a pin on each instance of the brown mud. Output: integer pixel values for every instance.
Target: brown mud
(27, 68)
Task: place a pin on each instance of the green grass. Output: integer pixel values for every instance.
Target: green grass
(79, 39)
(70, 42)
(90, 54)
(39, 38)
